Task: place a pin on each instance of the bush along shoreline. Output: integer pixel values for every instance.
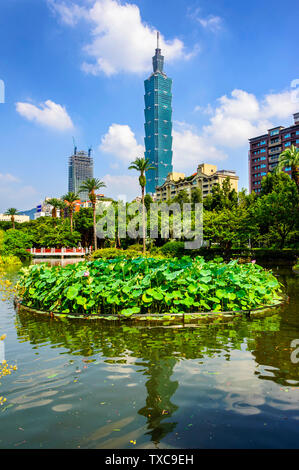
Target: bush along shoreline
(9, 261)
(147, 286)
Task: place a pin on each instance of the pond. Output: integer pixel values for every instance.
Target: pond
(88, 385)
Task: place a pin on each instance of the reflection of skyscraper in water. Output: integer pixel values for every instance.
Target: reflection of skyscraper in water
(80, 169)
(158, 408)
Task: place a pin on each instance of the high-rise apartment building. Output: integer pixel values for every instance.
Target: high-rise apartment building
(265, 150)
(158, 123)
(80, 169)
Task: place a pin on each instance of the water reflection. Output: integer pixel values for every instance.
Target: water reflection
(157, 351)
(177, 386)
(158, 405)
(57, 261)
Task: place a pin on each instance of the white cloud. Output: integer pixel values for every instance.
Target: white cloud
(120, 142)
(49, 114)
(279, 105)
(122, 185)
(70, 15)
(8, 178)
(121, 40)
(190, 149)
(234, 120)
(242, 116)
(204, 109)
(213, 23)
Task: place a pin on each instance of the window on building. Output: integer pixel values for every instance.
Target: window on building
(274, 132)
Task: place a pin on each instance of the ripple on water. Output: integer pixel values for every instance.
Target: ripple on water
(63, 407)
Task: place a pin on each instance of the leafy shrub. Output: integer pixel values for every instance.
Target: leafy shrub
(147, 285)
(109, 253)
(10, 254)
(135, 247)
(23, 254)
(173, 249)
(112, 253)
(9, 261)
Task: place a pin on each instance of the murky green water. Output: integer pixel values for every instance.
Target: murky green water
(90, 385)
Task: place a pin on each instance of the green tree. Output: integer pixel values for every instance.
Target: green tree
(272, 180)
(148, 200)
(277, 211)
(196, 196)
(84, 225)
(62, 205)
(246, 200)
(222, 197)
(142, 165)
(59, 237)
(70, 198)
(91, 186)
(181, 198)
(228, 227)
(55, 203)
(2, 237)
(290, 158)
(12, 211)
(16, 242)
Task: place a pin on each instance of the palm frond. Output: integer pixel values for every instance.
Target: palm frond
(11, 211)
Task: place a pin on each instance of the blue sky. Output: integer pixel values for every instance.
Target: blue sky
(76, 68)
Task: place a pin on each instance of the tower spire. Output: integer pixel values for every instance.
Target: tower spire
(158, 59)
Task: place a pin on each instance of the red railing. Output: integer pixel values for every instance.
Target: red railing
(59, 251)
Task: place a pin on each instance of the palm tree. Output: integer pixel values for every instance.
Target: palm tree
(91, 185)
(70, 198)
(62, 206)
(55, 203)
(290, 158)
(12, 211)
(142, 165)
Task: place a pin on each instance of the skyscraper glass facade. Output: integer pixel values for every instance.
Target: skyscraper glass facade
(80, 169)
(158, 124)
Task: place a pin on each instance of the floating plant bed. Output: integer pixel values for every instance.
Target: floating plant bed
(148, 289)
(169, 318)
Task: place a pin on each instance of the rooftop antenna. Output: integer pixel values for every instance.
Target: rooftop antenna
(158, 37)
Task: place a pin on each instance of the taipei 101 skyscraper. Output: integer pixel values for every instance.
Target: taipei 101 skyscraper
(158, 123)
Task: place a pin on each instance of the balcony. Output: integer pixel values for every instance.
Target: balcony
(275, 150)
(273, 144)
(274, 159)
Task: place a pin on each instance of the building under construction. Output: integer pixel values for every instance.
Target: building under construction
(80, 169)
